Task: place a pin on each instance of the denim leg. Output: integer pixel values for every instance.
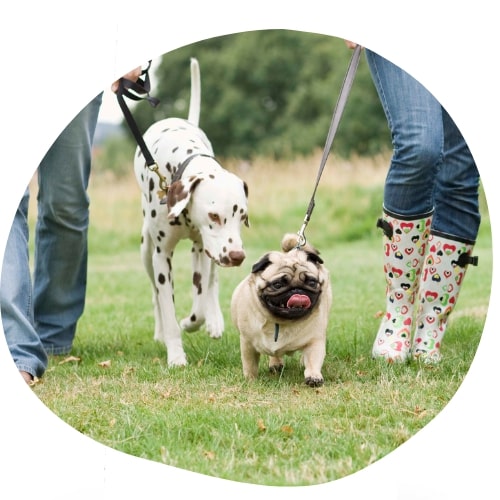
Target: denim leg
(456, 196)
(16, 298)
(60, 274)
(415, 121)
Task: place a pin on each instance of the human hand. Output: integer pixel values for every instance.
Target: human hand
(131, 75)
(350, 45)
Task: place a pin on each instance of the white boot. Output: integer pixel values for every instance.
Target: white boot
(405, 244)
(442, 277)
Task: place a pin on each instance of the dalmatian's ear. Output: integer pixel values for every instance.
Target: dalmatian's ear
(179, 194)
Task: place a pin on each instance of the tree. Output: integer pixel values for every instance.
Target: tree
(271, 93)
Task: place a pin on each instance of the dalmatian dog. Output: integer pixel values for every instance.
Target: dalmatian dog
(190, 195)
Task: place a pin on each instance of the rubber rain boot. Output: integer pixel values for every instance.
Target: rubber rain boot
(440, 283)
(405, 244)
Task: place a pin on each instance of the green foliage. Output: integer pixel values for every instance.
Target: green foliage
(114, 156)
(271, 93)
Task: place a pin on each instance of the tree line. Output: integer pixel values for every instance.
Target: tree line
(271, 93)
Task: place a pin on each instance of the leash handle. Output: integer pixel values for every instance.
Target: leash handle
(136, 91)
(337, 114)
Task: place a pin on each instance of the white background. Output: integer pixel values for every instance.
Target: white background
(57, 55)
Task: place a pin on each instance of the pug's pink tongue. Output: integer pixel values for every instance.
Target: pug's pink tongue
(298, 300)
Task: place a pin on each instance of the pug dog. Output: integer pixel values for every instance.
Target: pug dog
(282, 307)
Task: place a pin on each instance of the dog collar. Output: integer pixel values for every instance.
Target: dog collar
(178, 173)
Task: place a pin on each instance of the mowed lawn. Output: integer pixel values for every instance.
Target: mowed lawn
(117, 389)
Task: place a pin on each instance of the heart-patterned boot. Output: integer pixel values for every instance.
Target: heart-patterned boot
(442, 276)
(405, 245)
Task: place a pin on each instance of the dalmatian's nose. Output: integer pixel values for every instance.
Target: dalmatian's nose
(236, 257)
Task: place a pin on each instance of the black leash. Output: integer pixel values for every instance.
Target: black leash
(337, 114)
(138, 91)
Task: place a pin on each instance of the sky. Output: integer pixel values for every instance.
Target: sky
(110, 111)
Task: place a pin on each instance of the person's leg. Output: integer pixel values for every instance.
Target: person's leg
(414, 119)
(453, 235)
(405, 245)
(456, 196)
(16, 299)
(60, 273)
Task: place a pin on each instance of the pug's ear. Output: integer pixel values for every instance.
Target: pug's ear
(314, 258)
(262, 264)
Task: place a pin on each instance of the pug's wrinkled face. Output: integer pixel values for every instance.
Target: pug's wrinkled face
(289, 284)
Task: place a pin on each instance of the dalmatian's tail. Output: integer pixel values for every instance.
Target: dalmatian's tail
(195, 99)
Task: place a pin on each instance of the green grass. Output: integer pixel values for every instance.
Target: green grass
(206, 418)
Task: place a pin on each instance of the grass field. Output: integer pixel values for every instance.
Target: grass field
(116, 388)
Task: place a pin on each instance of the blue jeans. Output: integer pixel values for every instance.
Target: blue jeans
(40, 315)
(431, 168)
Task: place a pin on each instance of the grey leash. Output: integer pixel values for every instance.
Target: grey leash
(337, 114)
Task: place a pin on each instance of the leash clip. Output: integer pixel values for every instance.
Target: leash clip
(302, 238)
(301, 234)
(163, 182)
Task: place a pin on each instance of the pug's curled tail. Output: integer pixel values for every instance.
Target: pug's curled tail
(290, 240)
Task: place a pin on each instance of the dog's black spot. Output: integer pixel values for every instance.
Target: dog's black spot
(197, 282)
(153, 213)
(161, 279)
